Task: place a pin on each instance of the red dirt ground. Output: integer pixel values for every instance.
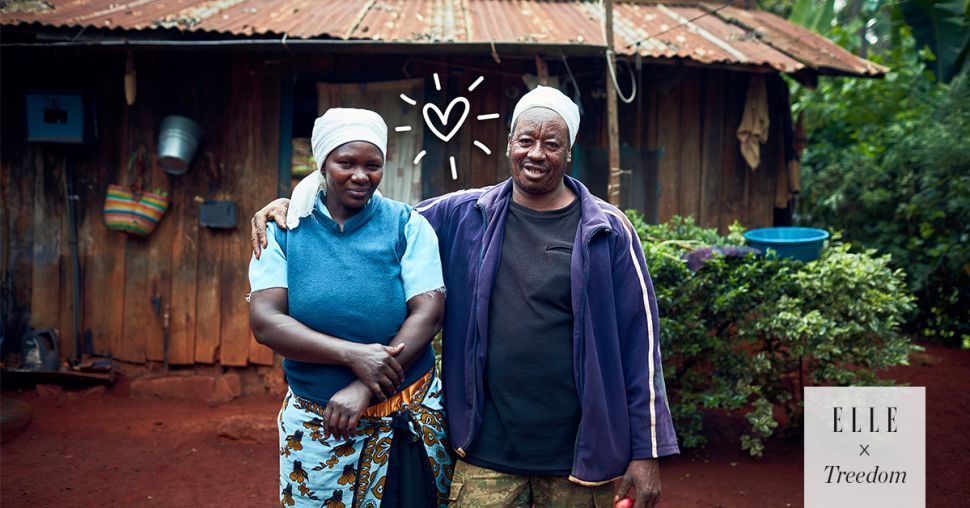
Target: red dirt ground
(116, 451)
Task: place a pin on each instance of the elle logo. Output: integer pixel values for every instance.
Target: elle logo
(865, 447)
(860, 417)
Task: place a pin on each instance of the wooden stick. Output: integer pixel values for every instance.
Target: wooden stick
(612, 121)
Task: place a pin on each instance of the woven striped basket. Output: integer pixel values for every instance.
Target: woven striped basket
(134, 213)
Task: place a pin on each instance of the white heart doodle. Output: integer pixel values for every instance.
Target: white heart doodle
(444, 117)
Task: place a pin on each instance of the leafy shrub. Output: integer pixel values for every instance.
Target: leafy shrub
(746, 333)
(888, 163)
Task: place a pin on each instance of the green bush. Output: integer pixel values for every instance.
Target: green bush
(747, 333)
(888, 163)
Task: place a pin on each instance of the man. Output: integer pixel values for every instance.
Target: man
(551, 352)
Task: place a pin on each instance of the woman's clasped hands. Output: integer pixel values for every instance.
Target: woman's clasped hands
(379, 375)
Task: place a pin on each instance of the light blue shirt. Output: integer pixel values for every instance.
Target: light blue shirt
(420, 264)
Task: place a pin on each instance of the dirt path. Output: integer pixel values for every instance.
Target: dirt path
(115, 451)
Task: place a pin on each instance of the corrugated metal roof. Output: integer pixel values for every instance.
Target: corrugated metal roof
(801, 43)
(703, 33)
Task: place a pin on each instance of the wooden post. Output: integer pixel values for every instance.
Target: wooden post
(612, 122)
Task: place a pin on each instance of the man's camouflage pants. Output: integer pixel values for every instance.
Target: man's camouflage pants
(477, 487)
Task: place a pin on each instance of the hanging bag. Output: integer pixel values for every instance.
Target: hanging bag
(131, 210)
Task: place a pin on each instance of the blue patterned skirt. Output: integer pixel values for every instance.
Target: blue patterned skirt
(351, 474)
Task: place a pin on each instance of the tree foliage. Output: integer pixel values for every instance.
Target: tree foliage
(888, 163)
(814, 15)
(944, 27)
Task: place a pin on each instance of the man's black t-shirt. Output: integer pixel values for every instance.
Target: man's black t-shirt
(531, 412)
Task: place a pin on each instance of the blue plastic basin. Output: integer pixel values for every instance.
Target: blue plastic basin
(803, 244)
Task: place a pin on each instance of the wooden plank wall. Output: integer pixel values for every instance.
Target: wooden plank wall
(199, 274)
(693, 115)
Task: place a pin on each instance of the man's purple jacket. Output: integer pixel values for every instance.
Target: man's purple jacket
(616, 341)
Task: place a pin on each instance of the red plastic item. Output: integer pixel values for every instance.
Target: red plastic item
(624, 503)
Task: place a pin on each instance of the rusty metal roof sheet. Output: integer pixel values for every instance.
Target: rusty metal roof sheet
(698, 32)
(801, 43)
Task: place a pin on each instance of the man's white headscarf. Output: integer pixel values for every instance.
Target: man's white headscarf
(336, 127)
(550, 98)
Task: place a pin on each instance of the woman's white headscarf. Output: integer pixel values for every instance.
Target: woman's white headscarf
(336, 127)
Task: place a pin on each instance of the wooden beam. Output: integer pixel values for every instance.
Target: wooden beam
(612, 122)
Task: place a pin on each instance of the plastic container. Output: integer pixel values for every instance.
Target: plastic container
(177, 141)
(803, 244)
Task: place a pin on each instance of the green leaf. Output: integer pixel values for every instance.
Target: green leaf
(814, 15)
(803, 13)
(944, 26)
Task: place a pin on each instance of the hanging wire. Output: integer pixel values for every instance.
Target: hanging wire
(633, 83)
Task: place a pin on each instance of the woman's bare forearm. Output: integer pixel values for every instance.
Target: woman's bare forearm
(425, 314)
(276, 330)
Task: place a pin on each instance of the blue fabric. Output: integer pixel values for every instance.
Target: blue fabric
(348, 284)
(269, 271)
(420, 264)
(616, 325)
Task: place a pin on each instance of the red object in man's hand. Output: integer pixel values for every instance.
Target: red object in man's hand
(624, 503)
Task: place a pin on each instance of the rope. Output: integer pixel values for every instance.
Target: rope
(633, 83)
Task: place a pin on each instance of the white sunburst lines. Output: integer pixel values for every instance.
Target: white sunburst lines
(473, 86)
(484, 148)
(459, 103)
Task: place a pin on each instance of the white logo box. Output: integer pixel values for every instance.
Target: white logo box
(865, 447)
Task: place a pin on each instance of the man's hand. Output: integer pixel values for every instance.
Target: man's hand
(641, 483)
(343, 411)
(375, 366)
(275, 211)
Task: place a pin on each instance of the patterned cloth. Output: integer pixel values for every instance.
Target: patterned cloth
(477, 487)
(325, 472)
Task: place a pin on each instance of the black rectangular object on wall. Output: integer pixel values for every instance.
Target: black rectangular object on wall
(218, 214)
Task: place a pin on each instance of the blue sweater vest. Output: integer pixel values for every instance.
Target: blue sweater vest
(347, 284)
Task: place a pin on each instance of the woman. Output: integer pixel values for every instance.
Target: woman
(351, 295)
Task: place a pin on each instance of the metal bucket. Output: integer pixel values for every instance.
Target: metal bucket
(177, 141)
